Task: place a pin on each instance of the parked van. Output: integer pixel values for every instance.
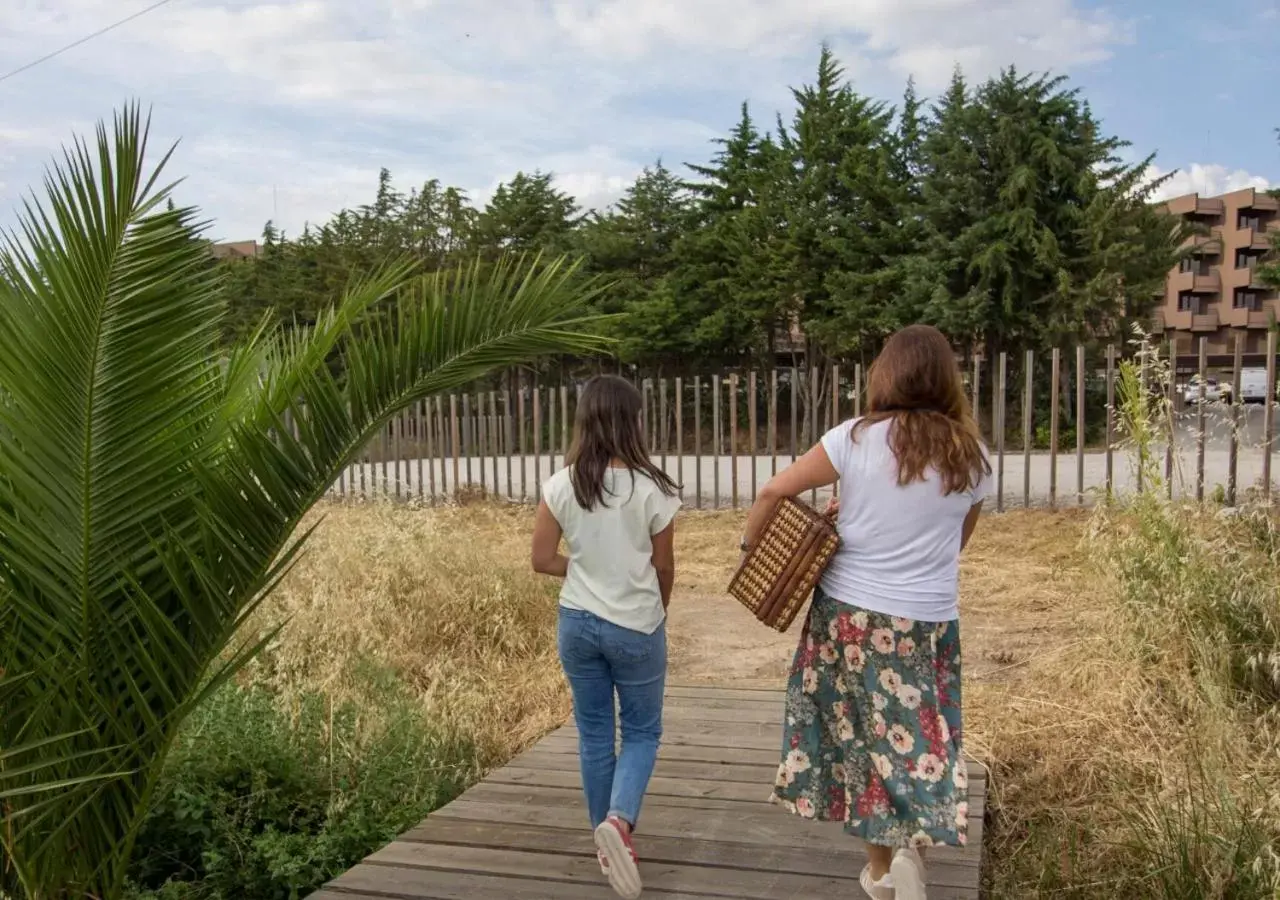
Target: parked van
(1253, 385)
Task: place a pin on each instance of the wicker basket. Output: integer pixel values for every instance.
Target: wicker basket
(781, 570)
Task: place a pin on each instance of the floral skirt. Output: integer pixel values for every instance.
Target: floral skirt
(872, 735)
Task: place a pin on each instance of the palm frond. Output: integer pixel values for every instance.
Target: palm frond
(150, 491)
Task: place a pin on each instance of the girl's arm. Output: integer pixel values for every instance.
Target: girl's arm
(664, 561)
(970, 523)
(809, 472)
(547, 558)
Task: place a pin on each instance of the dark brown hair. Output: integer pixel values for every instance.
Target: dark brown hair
(607, 428)
(915, 382)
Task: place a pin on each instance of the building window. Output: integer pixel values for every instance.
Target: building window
(1245, 259)
(1247, 220)
(1245, 299)
(1194, 264)
(1186, 301)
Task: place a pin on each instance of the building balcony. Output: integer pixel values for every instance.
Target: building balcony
(1253, 238)
(1211, 242)
(1207, 283)
(1259, 318)
(1206, 321)
(1195, 205)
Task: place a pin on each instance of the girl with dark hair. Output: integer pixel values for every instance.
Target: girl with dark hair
(872, 735)
(615, 510)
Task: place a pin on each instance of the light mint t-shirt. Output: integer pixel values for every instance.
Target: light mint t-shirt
(611, 572)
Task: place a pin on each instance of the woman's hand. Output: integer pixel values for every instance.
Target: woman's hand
(833, 508)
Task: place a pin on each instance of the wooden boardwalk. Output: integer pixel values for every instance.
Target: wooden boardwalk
(707, 829)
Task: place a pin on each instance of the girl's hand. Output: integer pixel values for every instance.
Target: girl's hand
(833, 507)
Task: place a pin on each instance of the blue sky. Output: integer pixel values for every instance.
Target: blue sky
(288, 109)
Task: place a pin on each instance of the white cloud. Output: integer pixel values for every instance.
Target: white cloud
(294, 105)
(1207, 179)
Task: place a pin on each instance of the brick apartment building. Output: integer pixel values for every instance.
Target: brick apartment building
(1215, 292)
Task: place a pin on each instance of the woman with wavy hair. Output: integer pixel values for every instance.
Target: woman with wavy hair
(872, 736)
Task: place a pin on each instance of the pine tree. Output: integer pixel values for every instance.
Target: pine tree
(528, 215)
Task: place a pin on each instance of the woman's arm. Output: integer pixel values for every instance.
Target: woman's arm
(970, 523)
(811, 471)
(546, 556)
(664, 561)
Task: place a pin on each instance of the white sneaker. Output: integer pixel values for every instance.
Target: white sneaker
(618, 859)
(907, 872)
(876, 890)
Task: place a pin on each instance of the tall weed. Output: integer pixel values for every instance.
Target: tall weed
(1200, 589)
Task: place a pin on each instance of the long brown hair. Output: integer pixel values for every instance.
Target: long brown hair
(915, 382)
(607, 428)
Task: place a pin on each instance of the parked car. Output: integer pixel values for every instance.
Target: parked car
(1214, 391)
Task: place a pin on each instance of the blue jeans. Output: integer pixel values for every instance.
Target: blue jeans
(600, 658)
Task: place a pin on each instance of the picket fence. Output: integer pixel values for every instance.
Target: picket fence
(706, 432)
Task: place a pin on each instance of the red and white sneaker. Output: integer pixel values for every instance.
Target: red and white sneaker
(618, 858)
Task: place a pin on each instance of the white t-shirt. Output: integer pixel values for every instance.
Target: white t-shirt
(899, 545)
(611, 572)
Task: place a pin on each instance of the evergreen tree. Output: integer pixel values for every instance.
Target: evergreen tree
(528, 215)
(634, 242)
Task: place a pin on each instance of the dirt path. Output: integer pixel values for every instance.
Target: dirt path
(1019, 568)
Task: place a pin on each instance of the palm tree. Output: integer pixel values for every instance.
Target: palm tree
(150, 492)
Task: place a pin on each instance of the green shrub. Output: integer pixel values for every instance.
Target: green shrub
(262, 800)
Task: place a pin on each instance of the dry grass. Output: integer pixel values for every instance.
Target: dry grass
(1061, 696)
(443, 600)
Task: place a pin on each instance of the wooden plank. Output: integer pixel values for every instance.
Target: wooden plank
(566, 742)
(507, 448)
(697, 442)
(520, 437)
(1055, 367)
(773, 421)
(946, 866)
(565, 761)
(420, 884)
(565, 421)
(551, 428)
(1080, 424)
(1202, 368)
(976, 402)
(662, 423)
(733, 437)
(468, 439)
(753, 427)
(479, 443)
(795, 410)
(815, 413)
(660, 876)
(680, 434)
(454, 436)
(383, 453)
(1111, 419)
(715, 440)
(728, 822)
(495, 439)
(999, 410)
(697, 787)
(1027, 422)
(537, 439)
(857, 390)
(1237, 403)
(1269, 418)
(835, 413)
(397, 449)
